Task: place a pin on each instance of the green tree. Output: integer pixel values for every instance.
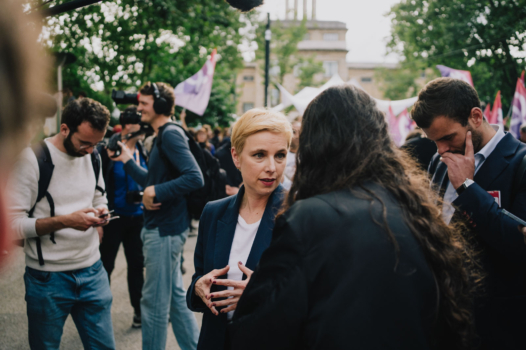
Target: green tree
(125, 43)
(480, 36)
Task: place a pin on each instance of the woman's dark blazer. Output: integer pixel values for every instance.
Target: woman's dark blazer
(331, 279)
(216, 233)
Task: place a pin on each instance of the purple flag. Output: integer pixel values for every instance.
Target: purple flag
(456, 74)
(518, 115)
(194, 93)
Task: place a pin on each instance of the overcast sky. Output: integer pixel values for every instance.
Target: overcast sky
(367, 26)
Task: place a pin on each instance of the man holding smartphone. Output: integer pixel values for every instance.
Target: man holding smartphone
(62, 231)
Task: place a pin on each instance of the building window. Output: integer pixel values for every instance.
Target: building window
(248, 78)
(331, 37)
(331, 68)
(306, 37)
(366, 79)
(423, 74)
(247, 106)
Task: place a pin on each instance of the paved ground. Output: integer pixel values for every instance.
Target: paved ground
(13, 319)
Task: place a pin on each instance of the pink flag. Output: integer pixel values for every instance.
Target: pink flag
(456, 74)
(487, 112)
(405, 125)
(522, 78)
(194, 93)
(394, 128)
(496, 113)
(518, 115)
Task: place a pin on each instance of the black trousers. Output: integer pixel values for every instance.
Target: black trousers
(127, 230)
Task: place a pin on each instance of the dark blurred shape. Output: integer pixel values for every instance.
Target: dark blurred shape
(421, 149)
(245, 5)
(123, 98)
(223, 154)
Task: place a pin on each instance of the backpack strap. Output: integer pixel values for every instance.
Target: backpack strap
(517, 178)
(95, 161)
(45, 167)
(174, 172)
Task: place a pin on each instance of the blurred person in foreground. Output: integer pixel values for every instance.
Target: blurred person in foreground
(360, 257)
(61, 231)
(23, 73)
(124, 197)
(166, 220)
(476, 170)
(234, 231)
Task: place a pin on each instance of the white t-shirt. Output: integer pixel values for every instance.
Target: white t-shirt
(241, 246)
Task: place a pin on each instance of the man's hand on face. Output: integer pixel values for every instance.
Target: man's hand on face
(148, 198)
(460, 167)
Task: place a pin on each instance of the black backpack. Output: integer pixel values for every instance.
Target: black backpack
(46, 167)
(214, 176)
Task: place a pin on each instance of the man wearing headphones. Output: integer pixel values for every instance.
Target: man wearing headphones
(166, 220)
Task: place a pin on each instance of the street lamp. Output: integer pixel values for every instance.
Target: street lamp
(268, 35)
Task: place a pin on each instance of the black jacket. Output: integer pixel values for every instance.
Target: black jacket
(330, 280)
(108, 174)
(421, 149)
(216, 234)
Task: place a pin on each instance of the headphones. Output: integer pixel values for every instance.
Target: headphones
(160, 105)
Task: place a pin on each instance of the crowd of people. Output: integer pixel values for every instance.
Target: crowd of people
(329, 236)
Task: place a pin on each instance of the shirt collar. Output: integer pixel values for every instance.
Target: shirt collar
(492, 144)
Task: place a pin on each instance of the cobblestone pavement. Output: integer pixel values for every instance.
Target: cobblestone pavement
(13, 319)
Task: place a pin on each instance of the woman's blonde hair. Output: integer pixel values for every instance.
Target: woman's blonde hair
(258, 120)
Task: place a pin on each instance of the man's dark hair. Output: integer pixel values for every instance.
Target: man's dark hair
(523, 128)
(83, 94)
(165, 90)
(448, 97)
(78, 111)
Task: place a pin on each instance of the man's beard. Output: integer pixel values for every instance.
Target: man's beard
(70, 148)
(476, 139)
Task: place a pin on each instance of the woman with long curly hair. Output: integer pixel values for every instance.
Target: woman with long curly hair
(360, 257)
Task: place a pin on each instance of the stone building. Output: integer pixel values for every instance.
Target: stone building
(326, 41)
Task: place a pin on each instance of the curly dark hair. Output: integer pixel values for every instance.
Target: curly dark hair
(78, 111)
(344, 143)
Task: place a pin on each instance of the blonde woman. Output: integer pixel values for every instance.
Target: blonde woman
(234, 231)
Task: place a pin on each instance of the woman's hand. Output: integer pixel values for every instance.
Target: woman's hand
(234, 294)
(202, 286)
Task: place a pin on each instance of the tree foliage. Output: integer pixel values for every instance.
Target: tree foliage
(308, 67)
(124, 43)
(485, 37)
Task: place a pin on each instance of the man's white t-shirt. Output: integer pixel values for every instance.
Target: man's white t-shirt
(241, 247)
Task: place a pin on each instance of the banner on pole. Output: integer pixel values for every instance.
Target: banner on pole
(194, 93)
(518, 115)
(464, 75)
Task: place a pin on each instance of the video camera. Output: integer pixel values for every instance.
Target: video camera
(123, 98)
(115, 147)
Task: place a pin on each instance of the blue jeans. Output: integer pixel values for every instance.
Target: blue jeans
(83, 293)
(163, 293)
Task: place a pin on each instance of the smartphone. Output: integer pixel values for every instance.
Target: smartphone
(106, 214)
(519, 220)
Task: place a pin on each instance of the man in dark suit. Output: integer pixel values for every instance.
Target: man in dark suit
(475, 170)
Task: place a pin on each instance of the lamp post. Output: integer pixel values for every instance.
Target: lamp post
(268, 35)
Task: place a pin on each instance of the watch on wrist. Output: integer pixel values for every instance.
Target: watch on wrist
(464, 186)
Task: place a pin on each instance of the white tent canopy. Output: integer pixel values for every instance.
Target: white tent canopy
(302, 99)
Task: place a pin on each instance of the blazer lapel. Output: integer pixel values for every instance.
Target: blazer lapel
(264, 233)
(226, 228)
(496, 163)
